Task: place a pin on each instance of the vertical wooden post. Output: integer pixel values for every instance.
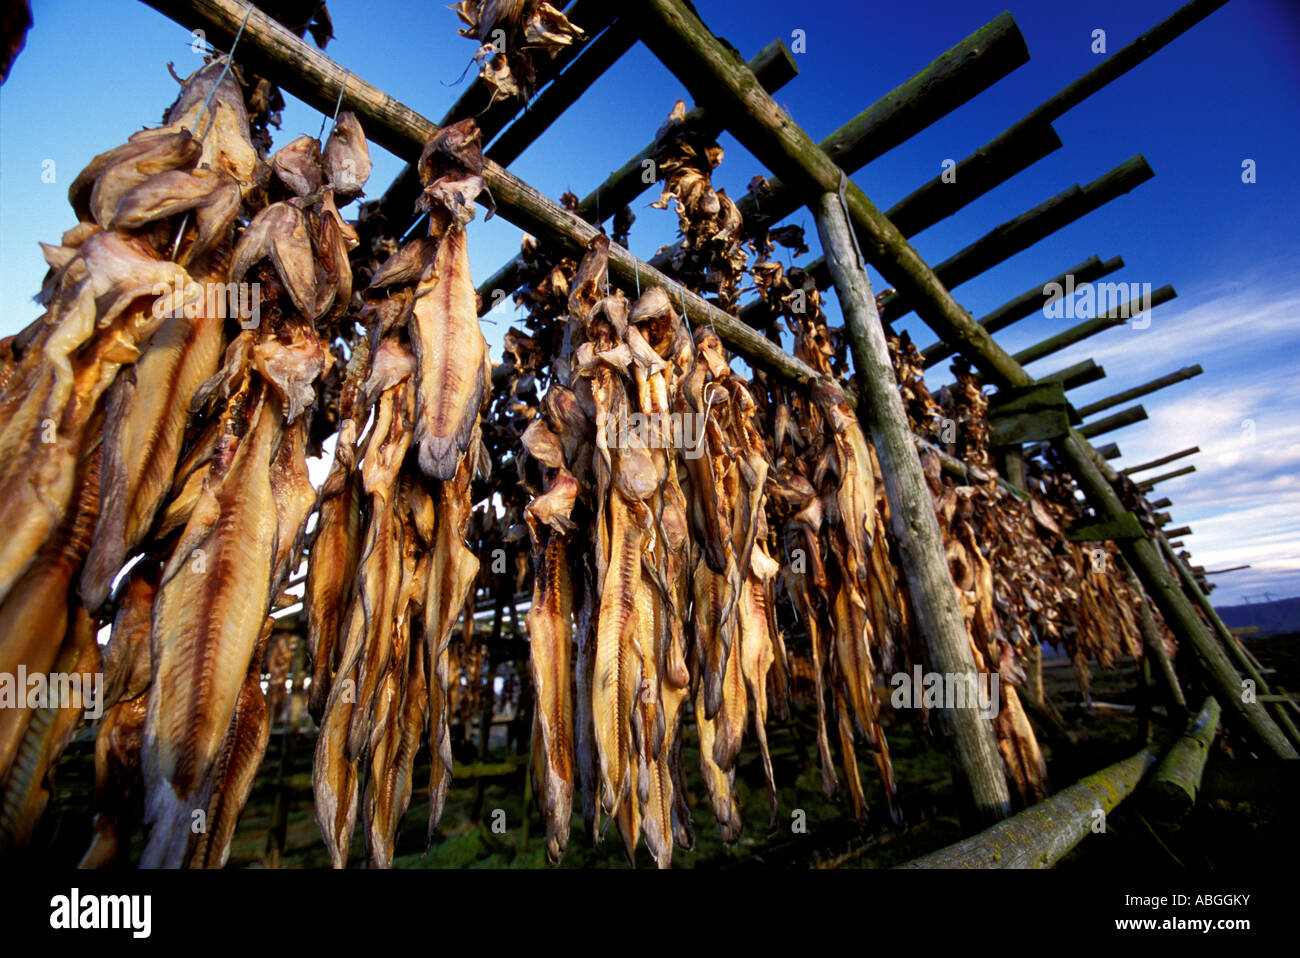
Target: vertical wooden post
(915, 526)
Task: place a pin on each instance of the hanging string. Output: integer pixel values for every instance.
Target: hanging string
(229, 58)
(418, 220)
(337, 105)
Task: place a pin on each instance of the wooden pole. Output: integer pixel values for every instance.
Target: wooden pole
(1041, 836)
(316, 79)
(1235, 568)
(1162, 461)
(954, 77)
(915, 526)
(1146, 484)
(1078, 333)
(1162, 585)
(394, 210)
(1180, 531)
(1187, 372)
(1119, 420)
(971, 178)
(597, 57)
(1161, 503)
(1109, 451)
(1193, 589)
(1174, 784)
(1080, 374)
(1022, 232)
(1154, 644)
(715, 75)
(774, 66)
(1029, 302)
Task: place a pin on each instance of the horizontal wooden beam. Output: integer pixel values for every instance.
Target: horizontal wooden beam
(1234, 568)
(1119, 420)
(393, 213)
(715, 75)
(313, 77)
(1181, 375)
(1023, 231)
(596, 57)
(1031, 301)
(1180, 531)
(1185, 471)
(1162, 461)
(774, 66)
(1080, 374)
(1078, 333)
(1109, 451)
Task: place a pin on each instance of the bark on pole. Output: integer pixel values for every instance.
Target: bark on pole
(1029, 302)
(911, 509)
(1041, 836)
(1077, 334)
(1137, 392)
(1162, 461)
(1175, 783)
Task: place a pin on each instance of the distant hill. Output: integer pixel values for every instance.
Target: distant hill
(1271, 618)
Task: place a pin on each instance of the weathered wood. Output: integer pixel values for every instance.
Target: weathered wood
(1162, 461)
(1174, 785)
(1163, 519)
(1123, 526)
(1125, 417)
(1162, 585)
(393, 212)
(912, 517)
(1080, 374)
(715, 75)
(1146, 484)
(1078, 333)
(1235, 568)
(1161, 503)
(1153, 643)
(316, 79)
(1109, 451)
(596, 57)
(774, 66)
(1041, 836)
(1187, 372)
(1180, 531)
(954, 77)
(1029, 302)
(1028, 413)
(1230, 641)
(1023, 231)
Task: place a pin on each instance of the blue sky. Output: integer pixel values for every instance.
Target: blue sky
(1226, 91)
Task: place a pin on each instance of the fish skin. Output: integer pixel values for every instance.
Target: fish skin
(451, 578)
(346, 159)
(719, 782)
(756, 658)
(127, 665)
(550, 631)
(23, 792)
(206, 627)
(242, 751)
(331, 570)
(616, 676)
(588, 771)
(845, 725)
(98, 188)
(297, 164)
(148, 409)
(451, 355)
(213, 195)
(714, 633)
(118, 784)
(279, 233)
(38, 608)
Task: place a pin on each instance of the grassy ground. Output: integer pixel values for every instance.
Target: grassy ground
(1218, 833)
